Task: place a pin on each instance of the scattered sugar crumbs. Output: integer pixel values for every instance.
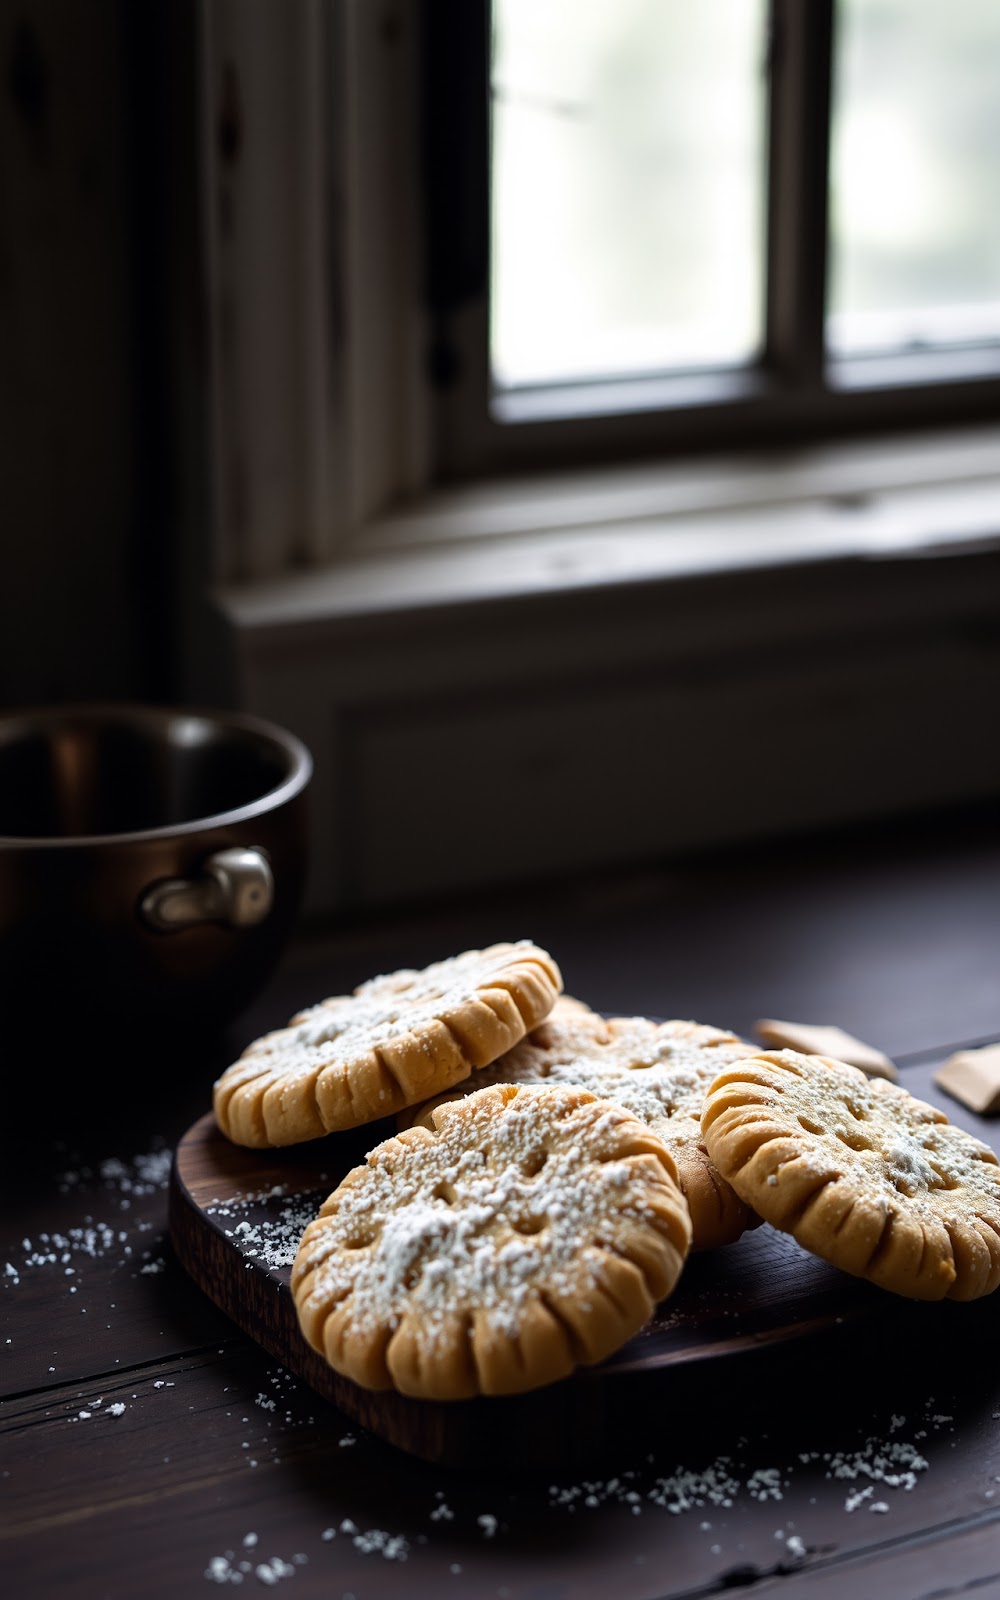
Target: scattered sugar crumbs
(892, 1463)
(868, 1478)
(231, 1568)
(97, 1408)
(267, 1227)
(878, 1466)
(67, 1250)
(130, 1178)
(276, 1405)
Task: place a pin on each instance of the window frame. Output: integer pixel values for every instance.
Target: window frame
(795, 394)
(314, 321)
(346, 264)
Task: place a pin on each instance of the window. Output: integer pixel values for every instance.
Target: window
(628, 164)
(721, 548)
(448, 240)
(915, 166)
(727, 224)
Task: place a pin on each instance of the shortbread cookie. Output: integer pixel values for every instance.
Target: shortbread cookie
(565, 1008)
(522, 1234)
(820, 1039)
(393, 1042)
(860, 1172)
(973, 1076)
(658, 1071)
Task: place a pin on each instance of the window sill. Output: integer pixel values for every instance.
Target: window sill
(532, 644)
(504, 542)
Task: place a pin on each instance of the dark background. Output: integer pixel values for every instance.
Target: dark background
(102, 356)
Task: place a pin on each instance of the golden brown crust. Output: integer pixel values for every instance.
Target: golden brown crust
(859, 1172)
(522, 1234)
(396, 1040)
(658, 1071)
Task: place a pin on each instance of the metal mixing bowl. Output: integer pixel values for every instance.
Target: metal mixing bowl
(152, 863)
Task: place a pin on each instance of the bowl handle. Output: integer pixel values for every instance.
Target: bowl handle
(236, 888)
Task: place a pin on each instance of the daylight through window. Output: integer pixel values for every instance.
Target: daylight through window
(630, 184)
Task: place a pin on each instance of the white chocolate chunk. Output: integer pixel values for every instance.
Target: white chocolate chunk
(815, 1039)
(973, 1077)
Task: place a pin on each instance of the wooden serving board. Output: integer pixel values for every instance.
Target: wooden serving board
(235, 1219)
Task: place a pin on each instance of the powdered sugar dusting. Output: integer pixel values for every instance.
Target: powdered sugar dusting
(267, 1227)
(348, 1028)
(516, 1192)
(893, 1145)
(657, 1071)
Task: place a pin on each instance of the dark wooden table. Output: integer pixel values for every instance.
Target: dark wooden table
(149, 1449)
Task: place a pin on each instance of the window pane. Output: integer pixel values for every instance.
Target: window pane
(628, 186)
(915, 174)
